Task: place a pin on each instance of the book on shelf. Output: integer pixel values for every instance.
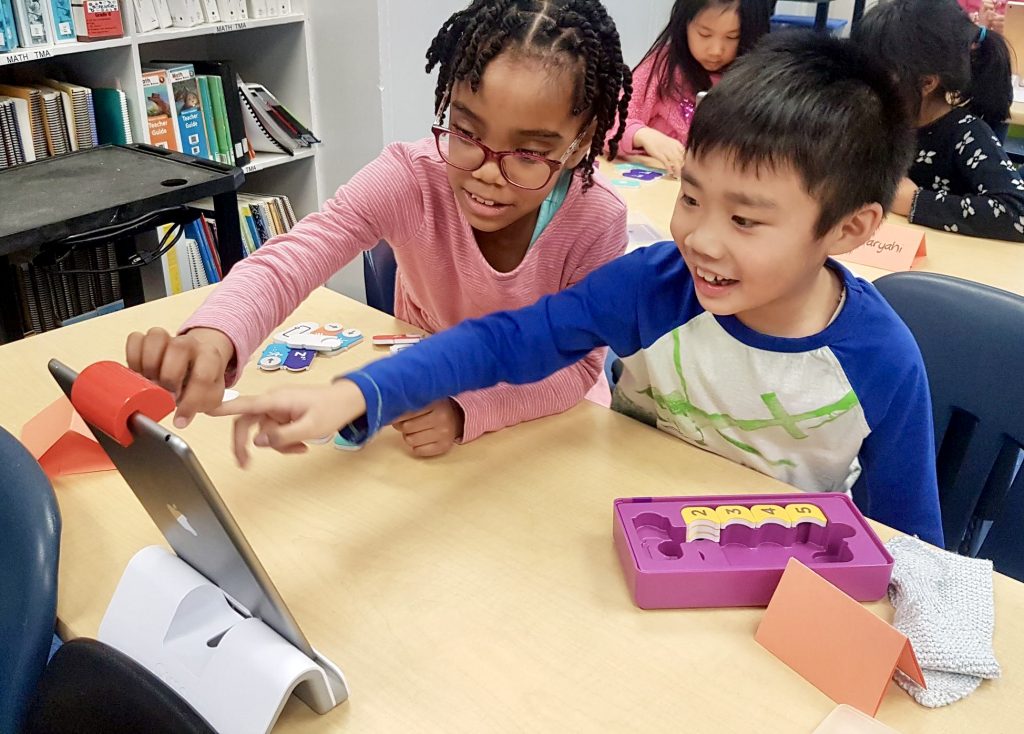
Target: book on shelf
(53, 295)
(54, 117)
(63, 21)
(161, 115)
(97, 19)
(8, 27)
(33, 23)
(113, 123)
(271, 128)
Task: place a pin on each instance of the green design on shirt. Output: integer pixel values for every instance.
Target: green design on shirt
(677, 403)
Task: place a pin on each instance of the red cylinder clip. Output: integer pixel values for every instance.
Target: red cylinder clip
(106, 394)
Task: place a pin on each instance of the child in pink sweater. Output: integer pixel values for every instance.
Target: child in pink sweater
(700, 41)
(498, 208)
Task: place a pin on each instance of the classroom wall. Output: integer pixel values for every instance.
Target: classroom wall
(407, 27)
(344, 52)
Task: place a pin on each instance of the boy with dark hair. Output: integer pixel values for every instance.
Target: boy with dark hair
(743, 336)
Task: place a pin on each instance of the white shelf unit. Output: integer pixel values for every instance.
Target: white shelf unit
(271, 51)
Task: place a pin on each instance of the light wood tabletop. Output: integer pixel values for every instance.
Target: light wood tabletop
(992, 262)
(478, 592)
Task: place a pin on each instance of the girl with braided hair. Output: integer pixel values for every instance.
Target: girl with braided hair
(700, 41)
(499, 206)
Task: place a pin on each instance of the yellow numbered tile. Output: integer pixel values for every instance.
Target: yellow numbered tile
(806, 512)
(702, 523)
(770, 515)
(701, 516)
(735, 515)
(703, 532)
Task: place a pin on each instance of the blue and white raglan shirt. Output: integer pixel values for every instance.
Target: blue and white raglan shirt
(845, 409)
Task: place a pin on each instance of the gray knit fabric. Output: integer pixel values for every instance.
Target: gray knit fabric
(944, 604)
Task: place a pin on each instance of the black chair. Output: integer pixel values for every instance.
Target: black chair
(29, 549)
(91, 688)
(972, 339)
(379, 272)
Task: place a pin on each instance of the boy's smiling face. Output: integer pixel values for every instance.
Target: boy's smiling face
(748, 238)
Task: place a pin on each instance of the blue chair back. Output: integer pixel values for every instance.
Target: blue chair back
(379, 271)
(972, 339)
(29, 549)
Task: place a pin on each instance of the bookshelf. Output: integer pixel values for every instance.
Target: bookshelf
(272, 51)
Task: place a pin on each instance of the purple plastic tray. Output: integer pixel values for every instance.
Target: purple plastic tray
(742, 569)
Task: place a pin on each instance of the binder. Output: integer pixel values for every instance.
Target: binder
(63, 21)
(234, 10)
(260, 138)
(113, 125)
(33, 28)
(186, 13)
(163, 13)
(259, 9)
(146, 18)
(267, 127)
(210, 11)
(8, 27)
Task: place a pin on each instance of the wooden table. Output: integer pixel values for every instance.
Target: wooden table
(995, 263)
(478, 592)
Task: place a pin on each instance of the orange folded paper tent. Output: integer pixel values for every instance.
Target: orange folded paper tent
(62, 443)
(833, 641)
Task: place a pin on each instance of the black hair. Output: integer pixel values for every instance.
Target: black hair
(918, 38)
(818, 105)
(581, 30)
(676, 68)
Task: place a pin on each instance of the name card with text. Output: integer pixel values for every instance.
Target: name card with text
(894, 247)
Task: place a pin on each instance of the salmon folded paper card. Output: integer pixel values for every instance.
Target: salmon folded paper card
(847, 652)
(894, 247)
(62, 443)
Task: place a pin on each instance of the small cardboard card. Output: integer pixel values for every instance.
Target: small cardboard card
(847, 652)
(894, 247)
(62, 443)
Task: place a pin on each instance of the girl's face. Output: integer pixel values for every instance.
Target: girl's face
(714, 37)
(523, 104)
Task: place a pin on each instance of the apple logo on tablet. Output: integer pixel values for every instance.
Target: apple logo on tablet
(182, 520)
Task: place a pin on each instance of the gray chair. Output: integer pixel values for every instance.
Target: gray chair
(972, 339)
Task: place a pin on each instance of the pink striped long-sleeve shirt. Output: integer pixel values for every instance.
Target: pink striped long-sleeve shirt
(404, 197)
(671, 115)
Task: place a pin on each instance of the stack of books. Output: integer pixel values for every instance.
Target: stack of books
(37, 24)
(54, 117)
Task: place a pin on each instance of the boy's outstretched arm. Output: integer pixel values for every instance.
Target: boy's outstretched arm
(515, 347)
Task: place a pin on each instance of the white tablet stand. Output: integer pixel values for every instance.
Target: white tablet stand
(232, 668)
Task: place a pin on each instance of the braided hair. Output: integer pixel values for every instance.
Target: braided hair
(577, 29)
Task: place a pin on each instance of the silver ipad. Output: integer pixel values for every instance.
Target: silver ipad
(167, 478)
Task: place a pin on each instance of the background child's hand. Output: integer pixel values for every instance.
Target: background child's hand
(434, 430)
(904, 197)
(669, 152)
(191, 366)
(286, 418)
